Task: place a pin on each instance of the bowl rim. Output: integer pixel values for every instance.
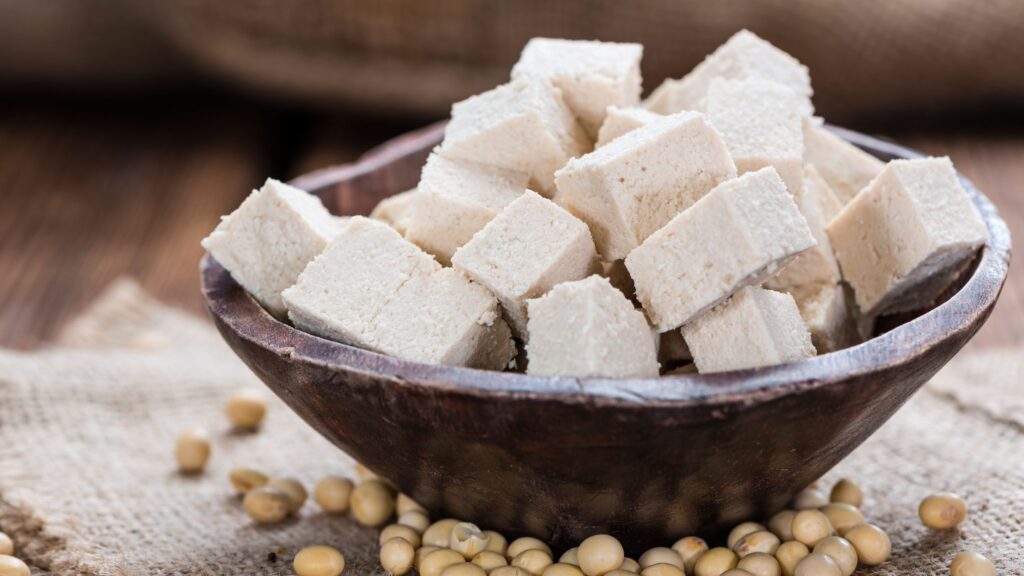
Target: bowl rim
(235, 310)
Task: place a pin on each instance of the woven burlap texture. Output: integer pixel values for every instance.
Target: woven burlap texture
(88, 483)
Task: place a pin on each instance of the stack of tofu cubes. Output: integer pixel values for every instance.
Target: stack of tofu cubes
(564, 227)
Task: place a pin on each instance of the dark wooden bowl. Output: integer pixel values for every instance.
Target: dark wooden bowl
(562, 458)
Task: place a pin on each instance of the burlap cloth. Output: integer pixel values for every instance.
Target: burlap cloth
(88, 483)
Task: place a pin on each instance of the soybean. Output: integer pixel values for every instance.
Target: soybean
(319, 561)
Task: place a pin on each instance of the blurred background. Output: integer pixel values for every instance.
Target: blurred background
(127, 127)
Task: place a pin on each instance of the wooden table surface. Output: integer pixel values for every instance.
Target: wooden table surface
(94, 191)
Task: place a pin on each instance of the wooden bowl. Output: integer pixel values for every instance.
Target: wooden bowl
(562, 458)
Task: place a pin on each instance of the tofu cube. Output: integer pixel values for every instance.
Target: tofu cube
(761, 122)
(268, 240)
(846, 168)
(529, 248)
(902, 240)
(753, 328)
(618, 121)
(587, 328)
(638, 182)
(592, 75)
(817, 266)
(827, 316)
(373, 289)
(396, 210)
(816, 185)
(456, 199)
(740, 233)
(744, 55)
(523, 126)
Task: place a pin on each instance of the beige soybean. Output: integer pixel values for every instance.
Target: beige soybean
(496, 542)
(662, 570)
(294, 489)
(266, 504)
(372, 503)
(246, 409)
(760, 564)
(871, 543)
(817, 565)
(760, 541)
(971, 564)
(245, 479)
(489, 560)
(421, 553)
(570, 556)
(193, 450)
(715, 561)
(439, 533)
(6, 545)
(620, 572)
(842, 517)
(661, 555)
(560, 569)
(433, 564)
(810, 526)
(397, 556)
(463, 569)
(781, 524)
(789, 555)
(533, 560)
(599, 554)
(736, 572)
(689, 549)
(808, 499)
(840, 551)
(403, 504)
(510, 571)
(630, 565)
(333, 493)
(467, 539)
(416, 520)
(942, 511)
(400, 531)
(742, 530)
(319, 561)
(520, 545)
(847, 492)
(11, 566)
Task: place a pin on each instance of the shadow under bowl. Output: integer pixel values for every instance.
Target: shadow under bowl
(648, 460)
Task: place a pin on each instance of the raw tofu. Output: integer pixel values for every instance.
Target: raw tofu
(753, 328)
(268, 240)
(828, 202)
(530, 247)
(740, 233)
(761, 122)
(638, 182)
(456, 199)
(373, 289)
(592, 75)
(588, 328)
(744, 55)
(827, 317)
(817, 267)
(846, 168)
(396, 210)
(618, 121)
(902, 240)
(524, 126)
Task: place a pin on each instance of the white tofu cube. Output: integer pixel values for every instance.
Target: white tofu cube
(902, 240)
(846, 168)
(744, 55)
(737, 235)
(587, 328)
(828, 202)
(268, 240)
(761, 123)
(456, 199)
(523, 126)
(638, 182)
(373, 289)
(618, 121)
(827, 316)
(396, 210)
(529, 248)
(752, 329)
(592, 75)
